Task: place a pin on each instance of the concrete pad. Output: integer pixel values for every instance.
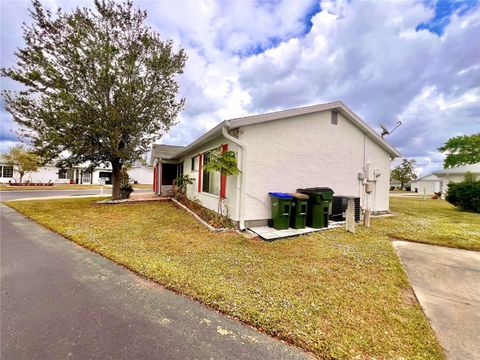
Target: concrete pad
(268, 233)
(447, 284)
(143, 195)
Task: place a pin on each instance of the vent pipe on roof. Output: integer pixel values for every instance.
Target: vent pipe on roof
(241, 177)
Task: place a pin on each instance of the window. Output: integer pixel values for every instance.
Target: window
(7, 171)
(192, 164)
(86, 177)
(66, 174)
(180, 169)
(210, 180)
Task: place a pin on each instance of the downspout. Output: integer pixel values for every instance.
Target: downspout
(240, 189)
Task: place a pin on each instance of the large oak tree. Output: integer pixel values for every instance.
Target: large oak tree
(99, 85)
(404, 172)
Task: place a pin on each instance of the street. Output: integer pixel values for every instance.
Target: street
(59, 301)
(26, 194)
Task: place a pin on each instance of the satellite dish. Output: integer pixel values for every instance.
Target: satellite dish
(385, 131)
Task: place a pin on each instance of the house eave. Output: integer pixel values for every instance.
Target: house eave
(336, 105)
(262, 118)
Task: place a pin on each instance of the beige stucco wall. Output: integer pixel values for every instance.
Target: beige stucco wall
(208, 200)
(141, 175)
(308, 151)
(445, 179)
(44, 174)
(427, 187)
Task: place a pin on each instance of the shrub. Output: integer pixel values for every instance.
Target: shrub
(465, 194)
(125, 185)
(181, 183)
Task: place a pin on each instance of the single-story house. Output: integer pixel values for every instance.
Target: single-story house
(50, 173)
(141, 174)
(427, 185)
(323, 145)
(456, 174)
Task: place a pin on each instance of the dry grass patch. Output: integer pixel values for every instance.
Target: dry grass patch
(337, 295)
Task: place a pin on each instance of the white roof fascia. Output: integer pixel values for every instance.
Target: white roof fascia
(257, 119)
(337, 105)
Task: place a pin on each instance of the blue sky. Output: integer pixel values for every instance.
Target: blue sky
(414, 61)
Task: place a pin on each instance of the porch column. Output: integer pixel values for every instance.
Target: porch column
(160, 175)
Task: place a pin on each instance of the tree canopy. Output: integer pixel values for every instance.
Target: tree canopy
(462, 150)
(404, 172)
(99, 85)
(24, 161)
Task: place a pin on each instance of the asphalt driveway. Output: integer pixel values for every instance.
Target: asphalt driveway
(447, 284)
(60, 301)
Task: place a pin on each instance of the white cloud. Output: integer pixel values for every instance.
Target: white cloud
(250, 57)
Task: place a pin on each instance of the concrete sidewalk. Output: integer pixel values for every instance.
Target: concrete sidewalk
(61, 301)
(447, 284)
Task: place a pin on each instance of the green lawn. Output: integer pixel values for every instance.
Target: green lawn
(337, 295)
(432, 222)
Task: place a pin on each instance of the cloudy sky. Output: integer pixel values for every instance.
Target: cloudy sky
(414, 61)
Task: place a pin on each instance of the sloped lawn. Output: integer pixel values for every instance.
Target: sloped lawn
(432, 222)
(338, 295)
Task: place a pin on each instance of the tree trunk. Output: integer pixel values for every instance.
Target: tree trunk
(21, 176)
(116, 172)
(401, 185)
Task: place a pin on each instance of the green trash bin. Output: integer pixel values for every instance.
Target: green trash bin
(319, 199)
(281, 205)
(299, 210)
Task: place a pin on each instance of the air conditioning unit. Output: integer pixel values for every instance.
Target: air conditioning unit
(339, 208)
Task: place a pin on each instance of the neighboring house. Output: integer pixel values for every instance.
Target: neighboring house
(6, 171)
(53, 174)
(456, 174)
(397, 185)
(141, 174)
(317, 146)
(427, 185)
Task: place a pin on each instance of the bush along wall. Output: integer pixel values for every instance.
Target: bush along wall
(465, 194)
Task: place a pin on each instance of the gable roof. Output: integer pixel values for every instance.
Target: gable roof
(431, 177)
(144, 167)
(277, 115)
(473, 168)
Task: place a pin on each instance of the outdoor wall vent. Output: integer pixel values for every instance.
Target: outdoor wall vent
(334, 117)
